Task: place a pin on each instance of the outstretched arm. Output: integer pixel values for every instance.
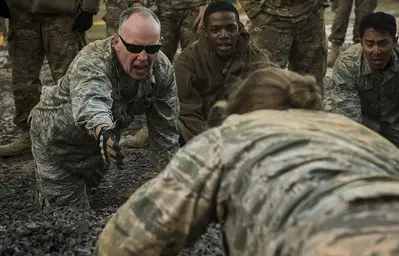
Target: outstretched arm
(171, 210)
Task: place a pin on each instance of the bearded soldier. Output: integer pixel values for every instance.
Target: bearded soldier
(282, 178)
(75, 128)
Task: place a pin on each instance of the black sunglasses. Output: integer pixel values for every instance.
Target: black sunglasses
(135, 48)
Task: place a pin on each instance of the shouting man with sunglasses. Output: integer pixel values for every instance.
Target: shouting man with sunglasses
(75, 128)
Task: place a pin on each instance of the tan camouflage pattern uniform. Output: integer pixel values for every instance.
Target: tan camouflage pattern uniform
(202, 79)
(292, 32)
(366, 96)
(258, 174)
(177, 18)
(96, 90)
(34, 35)
(114, 9)
(342, 10)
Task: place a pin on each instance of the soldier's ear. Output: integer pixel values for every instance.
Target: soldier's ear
(116, 42)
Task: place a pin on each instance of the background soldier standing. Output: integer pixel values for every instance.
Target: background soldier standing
(47, 28)
(114, 9)
(179, 19)
(342, 9)
(291, 31)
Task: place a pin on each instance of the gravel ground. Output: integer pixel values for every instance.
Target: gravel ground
(25, 231)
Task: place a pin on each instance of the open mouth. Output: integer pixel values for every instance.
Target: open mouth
(140, 67)
(377, 61)
(224, 47)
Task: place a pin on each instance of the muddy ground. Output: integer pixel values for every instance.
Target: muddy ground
(25, 231)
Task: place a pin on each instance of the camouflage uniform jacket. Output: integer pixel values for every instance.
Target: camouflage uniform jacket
(366, 95)
(202, 78)
(96, 90)
(284, 9)
(56, 6)
(258, 174)
(180, 4)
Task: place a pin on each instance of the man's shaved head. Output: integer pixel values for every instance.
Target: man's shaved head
(138, 35)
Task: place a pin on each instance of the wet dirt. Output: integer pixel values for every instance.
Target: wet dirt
(26, 231)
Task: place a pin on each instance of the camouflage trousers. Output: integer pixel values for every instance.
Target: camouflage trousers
(342, 9)
(31, 38)
(365, 229)
(302, 44)
(67, 160)
(3, 27)
(114, 9)
(177, 27)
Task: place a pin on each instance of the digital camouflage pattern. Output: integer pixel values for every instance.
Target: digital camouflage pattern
(342, 10)
(292, 32)
(366, 96)
(177, 27)
(202, 79)
(177, 18)
(64, 7)
(114, 9)
(180, 4)
(288, 10)
(96, 90)
(258, 174)
(32, 37)
(345, 233)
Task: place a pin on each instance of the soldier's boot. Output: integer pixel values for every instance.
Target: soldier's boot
(20, 145)
(139, 140)
(333, 54)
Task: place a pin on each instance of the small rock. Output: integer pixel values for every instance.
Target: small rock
(82, 227)
(23, 231)
(8, 251)
(3, 228)
(32, 226)
(19, 253)
(83, 252)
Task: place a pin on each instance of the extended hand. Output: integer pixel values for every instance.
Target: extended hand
(108, 139)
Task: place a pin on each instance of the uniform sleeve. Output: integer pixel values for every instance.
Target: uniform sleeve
(191, 119)
(91, 6)
(345, 99)
(162, 120)
(90, 93)
(173, 209)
